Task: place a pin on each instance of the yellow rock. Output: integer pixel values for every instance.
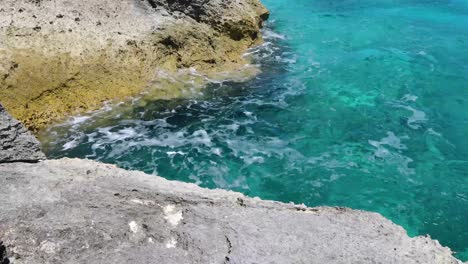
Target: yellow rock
(60, 57)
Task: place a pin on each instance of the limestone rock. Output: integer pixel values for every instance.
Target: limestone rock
(17, 143)
(58, 57)
(79, 211)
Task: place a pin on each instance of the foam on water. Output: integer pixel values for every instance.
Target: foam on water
(358, 103)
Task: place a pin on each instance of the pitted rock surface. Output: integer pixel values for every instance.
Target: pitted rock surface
(59, 57)
(79, 211)
(17, 143)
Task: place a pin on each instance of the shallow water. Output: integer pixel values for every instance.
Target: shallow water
(361, 104)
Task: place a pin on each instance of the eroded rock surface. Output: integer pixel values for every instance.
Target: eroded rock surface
(16, 142)
(59, 56)
(78, 211)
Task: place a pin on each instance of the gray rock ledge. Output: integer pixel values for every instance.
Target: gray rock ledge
(16, 142)
(80, 211)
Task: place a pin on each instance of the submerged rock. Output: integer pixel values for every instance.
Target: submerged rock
(16, 142)
(80, 211)
(58, 57)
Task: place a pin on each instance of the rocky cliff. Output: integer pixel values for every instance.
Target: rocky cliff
(16, 142)
(79, 211)
(60, 56)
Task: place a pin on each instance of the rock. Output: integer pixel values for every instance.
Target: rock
(17, 143)
(58, 57)
(80, 211)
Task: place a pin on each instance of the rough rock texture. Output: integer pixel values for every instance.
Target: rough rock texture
(17, 143)
(78, 211)
(62, 56)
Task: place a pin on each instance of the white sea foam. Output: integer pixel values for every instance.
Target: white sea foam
(391, 140)
(174, 153)
(409, 98)
(72, 143)
(122, 134)
(217, 151)
(418, 117)
(79, 119)
(433, 132)
(201, 137)
(391, 157)
(270, 34)
(232, 127)
(253, 159)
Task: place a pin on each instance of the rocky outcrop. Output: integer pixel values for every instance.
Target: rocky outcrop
(79, 211)
(16, 142)
(58, 56)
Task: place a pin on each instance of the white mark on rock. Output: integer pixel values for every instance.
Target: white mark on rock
(171, 215)
(136, 201)
(133, 226)
(171, 243)
(150, 240)
(48, 247)
(145, 202)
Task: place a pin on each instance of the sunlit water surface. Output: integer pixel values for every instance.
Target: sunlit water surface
(361, 104)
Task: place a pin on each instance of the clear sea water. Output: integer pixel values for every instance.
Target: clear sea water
(360, 103)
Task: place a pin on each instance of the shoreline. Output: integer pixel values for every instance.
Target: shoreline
(74, 210)
(65, 58)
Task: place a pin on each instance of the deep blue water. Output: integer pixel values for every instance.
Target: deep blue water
(360, 103)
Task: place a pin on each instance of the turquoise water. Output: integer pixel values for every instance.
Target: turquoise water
(360, 103)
